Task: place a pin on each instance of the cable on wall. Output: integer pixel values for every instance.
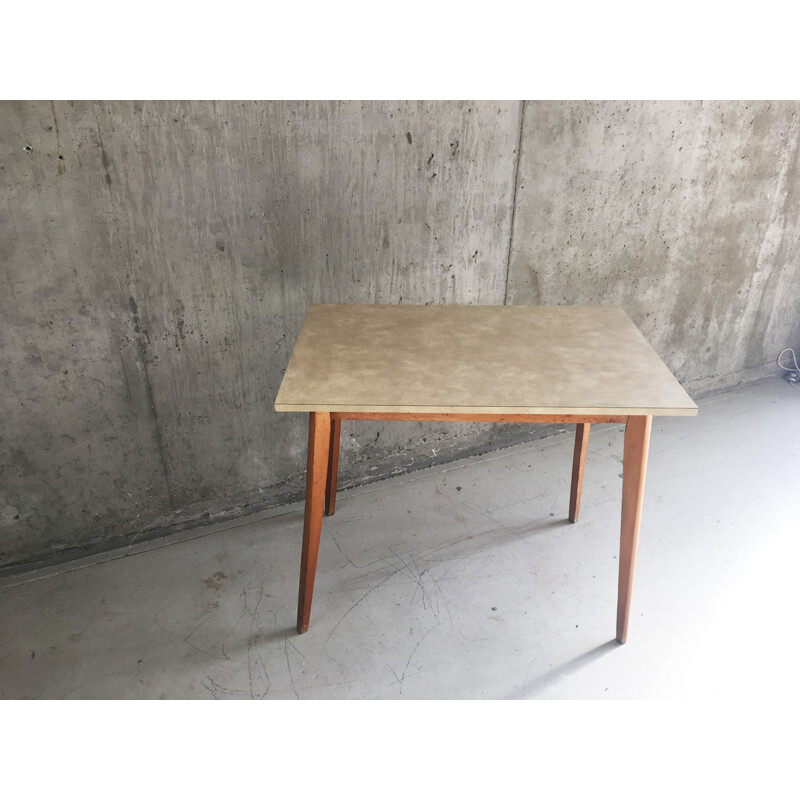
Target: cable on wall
(792, 375)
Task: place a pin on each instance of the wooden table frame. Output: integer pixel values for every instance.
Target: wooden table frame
(324, 429)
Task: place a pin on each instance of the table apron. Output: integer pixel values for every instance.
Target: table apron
(418, 417)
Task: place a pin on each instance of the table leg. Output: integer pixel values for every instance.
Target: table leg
(578, 462)
(634, 464)
(333, 468)
(319, 433)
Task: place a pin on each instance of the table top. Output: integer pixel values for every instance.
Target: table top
(477, 360)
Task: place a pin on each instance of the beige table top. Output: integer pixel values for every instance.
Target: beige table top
(477, 360)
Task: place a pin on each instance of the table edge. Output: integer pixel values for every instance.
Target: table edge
(493, 410)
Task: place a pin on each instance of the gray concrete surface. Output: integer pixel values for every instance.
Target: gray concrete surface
(461, 581)
(157, 259)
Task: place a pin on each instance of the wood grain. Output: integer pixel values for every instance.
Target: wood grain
(319, 432)
(333, 468)
(634, 456)
(578, 463)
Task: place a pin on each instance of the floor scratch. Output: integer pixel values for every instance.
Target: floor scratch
(250, 644)
(408, 661)
(289, 667)
(352, 607)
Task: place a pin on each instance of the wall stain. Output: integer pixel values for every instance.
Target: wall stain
(137, 323)
(60, 166)
(103, 155)
(141, 346)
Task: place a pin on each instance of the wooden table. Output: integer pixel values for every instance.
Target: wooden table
(562, 364)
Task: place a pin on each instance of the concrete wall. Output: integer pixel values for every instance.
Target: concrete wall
(157, 260)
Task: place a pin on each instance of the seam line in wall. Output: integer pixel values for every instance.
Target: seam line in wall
(514, 199)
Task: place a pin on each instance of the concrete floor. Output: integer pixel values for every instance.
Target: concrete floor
(460, 581)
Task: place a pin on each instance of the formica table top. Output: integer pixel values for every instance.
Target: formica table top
(477, 360)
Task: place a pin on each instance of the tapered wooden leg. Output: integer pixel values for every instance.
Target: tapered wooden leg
(333, 468)
(319, 433)
(634, 465)
(578, 461)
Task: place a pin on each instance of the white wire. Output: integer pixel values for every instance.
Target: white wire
(794, 358)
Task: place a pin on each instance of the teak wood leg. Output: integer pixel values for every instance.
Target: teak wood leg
(333, 468)
(578, 462)
(634, 465)
(319, 441)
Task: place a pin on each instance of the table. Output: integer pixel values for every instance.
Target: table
(538, 364)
